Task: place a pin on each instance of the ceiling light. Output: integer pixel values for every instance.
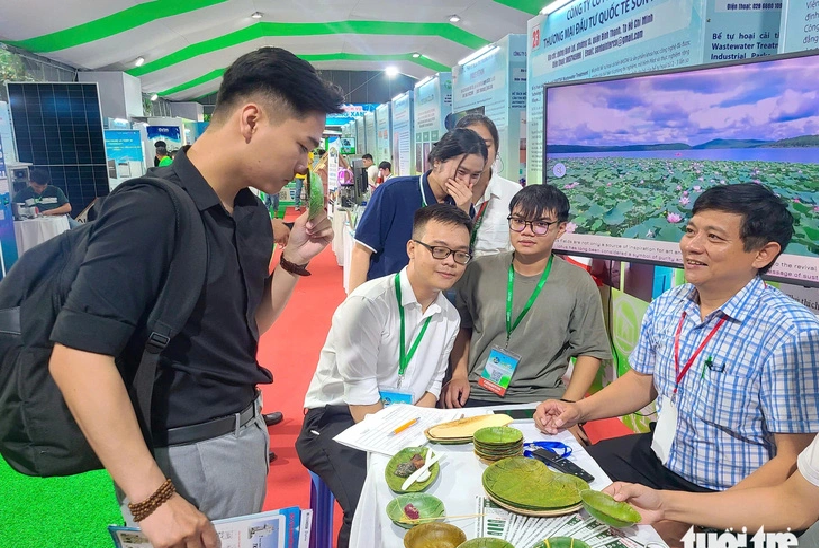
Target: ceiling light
(154, 97)
(139, 61)
(416, 55)
(480, 53)
(553, 6)
(256, 15)
(454, 18)
(391, 71)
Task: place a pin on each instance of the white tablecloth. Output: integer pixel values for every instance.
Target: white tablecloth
(32, 232)
(458, 483)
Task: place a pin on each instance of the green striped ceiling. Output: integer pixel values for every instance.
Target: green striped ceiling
(263, 30)
(154, 10)
(111, 25)
(423, 61)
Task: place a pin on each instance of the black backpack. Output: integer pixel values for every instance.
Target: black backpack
(38, 434)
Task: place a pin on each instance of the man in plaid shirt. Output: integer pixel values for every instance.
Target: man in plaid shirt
(733, 362)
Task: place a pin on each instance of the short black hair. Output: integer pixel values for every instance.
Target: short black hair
(535, 200)
(366, 156)
(458, 142)
(447, 214)
(385, 165)
(480, 120)
(162, 151)
(281, 77)
(161, 144)
(39, 175)
(765, 217)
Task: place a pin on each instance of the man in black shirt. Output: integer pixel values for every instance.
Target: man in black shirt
(49, 199)
(270, 112)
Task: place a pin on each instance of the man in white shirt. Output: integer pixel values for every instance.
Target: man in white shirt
(491, 195)
(372, 171)
(364, 364)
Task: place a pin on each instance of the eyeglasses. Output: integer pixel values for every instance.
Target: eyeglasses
(539, 227)
(440, 253)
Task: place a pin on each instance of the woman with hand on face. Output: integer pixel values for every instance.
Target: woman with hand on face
(457, 160)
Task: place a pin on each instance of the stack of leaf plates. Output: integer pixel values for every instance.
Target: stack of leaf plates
(486, 542)
(462, 430)
(561, 542)
(497, 442)
(528, 487)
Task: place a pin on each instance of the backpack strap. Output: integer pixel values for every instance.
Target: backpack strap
(178, 296)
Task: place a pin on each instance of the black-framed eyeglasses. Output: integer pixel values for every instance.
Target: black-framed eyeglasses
(440, 252)
(539, 227)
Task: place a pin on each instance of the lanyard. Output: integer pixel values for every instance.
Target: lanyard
(404, 357)
(421, 188)
(510, 286)
(690, 362)
(478, 221)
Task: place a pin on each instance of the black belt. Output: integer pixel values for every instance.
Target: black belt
(183, 435)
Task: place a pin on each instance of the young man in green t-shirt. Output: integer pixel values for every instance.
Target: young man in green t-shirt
(525, 313)
(50, 200)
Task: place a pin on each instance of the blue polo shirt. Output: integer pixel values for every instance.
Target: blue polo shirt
(386, 225)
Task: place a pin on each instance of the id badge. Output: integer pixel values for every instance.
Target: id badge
(391, 397)
(498, 371)
(666, 430)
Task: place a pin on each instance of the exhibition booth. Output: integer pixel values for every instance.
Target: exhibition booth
(632, 108)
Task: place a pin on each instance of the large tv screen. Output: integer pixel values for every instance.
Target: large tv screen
(634, 153)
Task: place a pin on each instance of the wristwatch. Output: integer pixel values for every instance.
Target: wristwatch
(292, 268)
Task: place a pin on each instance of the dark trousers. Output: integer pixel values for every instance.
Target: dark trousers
(343, 469)
(630, 459)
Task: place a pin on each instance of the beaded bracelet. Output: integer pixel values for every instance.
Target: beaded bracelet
(142, 510)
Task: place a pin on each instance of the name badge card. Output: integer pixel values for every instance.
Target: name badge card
(391, 397)
(498, 371)
(666, 430)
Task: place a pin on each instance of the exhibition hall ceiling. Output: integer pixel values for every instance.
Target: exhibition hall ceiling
(186, 44)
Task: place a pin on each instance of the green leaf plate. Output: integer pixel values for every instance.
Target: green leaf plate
(315, 195)
(529, 484)
(427, 505)
(498, 435)
(405, 455)
(604, 508)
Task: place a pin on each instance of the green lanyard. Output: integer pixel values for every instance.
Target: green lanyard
(510, 286)
(478, 221)
(404, 357)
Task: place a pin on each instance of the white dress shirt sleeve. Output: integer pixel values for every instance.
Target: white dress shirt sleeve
(435, 384)
(357, 342)
(808, 462)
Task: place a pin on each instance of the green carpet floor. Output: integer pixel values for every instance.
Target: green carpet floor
(56, 512)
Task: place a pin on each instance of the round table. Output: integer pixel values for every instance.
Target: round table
(32, 232)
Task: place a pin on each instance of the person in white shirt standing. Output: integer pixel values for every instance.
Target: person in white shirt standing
(491, 195)
(389, 342)
(372, 171)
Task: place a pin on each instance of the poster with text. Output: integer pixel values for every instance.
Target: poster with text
(372, 136)
(494, 82)
(739, 29)
(431, 109)
(383, 124)
(403, 146)
(125, 155)
(799, 30)
(170, 135)
(596, 38)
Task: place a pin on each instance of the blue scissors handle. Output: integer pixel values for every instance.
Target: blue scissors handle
(560, 448)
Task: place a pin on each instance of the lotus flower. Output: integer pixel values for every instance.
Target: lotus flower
(571, 185)
(685, 193)
(679, 187)
(756, 181)
(797, 201)
(674, 217)
(816, 209)
(570, 228)
(608, 184)
(698, 188)
(684, 200)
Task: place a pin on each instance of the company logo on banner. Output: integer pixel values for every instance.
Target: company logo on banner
(350, 114)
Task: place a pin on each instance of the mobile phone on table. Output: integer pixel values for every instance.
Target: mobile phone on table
(519, 413)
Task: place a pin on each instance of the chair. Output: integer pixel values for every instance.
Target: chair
(322, 503)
